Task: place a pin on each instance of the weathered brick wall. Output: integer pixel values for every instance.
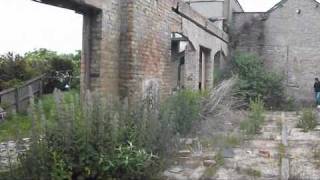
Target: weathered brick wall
(146, 47)
(127, 46)
(288, 41)
(99, 67)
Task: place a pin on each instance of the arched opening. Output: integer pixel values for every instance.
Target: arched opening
(219, 66)
(179, 45)
(205, 67)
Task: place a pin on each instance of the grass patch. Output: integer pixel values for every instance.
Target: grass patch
(308, 120)
(103, 139)
(253, 173)
(20, 125)
(316, 156)
(211, 171)
(222, 141)
(15, 126)
(252, 125)
(282, 151)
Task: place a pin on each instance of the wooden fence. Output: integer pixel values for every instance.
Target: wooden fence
(18, 98)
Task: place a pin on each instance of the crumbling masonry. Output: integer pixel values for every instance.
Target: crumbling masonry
(136, 48)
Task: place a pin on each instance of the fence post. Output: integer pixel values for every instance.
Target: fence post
(17, 99)
(41, 86)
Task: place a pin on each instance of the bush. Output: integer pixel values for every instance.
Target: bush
(308, 121)
(100, 139)
(61, 69)
(255, 81)
(255, 119)
(14, 70)
(184, 108)
(96, 141)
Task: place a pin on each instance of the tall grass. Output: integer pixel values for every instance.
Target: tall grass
(308, 120)
(100, 139)
(252, 125)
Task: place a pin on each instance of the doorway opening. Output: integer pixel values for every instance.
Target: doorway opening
(204, 68)
(91, 38)
(219, 66)
(179, 44)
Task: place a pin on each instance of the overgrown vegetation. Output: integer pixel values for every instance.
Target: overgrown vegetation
(252, 125)
(316, 156)
(222, 141)
(102, 140)
(308, 120)
(16, 69)
(212, 170)
(256, 81)
(184, 108)
(21, 123)
(253, 173)
(282, 151)
(13, 126)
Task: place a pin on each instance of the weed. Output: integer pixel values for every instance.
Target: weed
(184, 109)
(316, 156)
(255, 119)
(255, 81)
(222, 141)
(253, 173)
(100, 139)
(282, 151)
(279, 124)
(13, 125)
(212, 170)
(308, 120)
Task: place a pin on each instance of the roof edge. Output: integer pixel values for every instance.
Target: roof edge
(276, 6)
(239, 5)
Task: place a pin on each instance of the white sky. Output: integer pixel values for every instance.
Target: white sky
(26, 25)
(257, 5)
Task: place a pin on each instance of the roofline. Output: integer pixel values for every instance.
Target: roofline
(276, 6)
(316, 1)
(222, 1)
(239, 5)
(249, 12)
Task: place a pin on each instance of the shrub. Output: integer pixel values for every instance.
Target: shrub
(308, 120)
(13, 70)
(255, 81)
(184, 108)
(253, 173)
(255, 119)
(60, 68)
(94, 141)
(101, 139)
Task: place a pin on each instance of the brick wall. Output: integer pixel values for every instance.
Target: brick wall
(127, 46)
(146, 47)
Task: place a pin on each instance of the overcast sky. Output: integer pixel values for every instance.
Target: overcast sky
(27, 25)
(257, 5)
